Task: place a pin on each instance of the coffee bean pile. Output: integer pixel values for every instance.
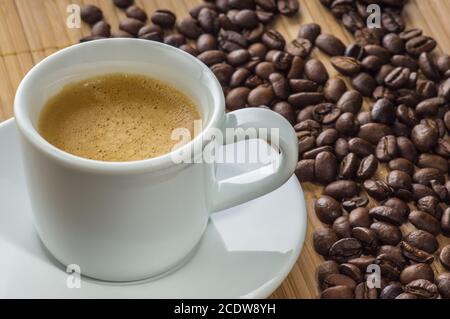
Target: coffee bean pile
(340, 146)
(407, 130)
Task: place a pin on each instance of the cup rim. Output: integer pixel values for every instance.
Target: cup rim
(164, 161)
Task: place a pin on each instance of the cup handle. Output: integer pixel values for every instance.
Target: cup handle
(245, 187)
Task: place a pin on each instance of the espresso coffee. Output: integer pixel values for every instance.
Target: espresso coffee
(117, 118)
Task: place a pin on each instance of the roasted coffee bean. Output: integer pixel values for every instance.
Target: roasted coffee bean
(429, 69)
(341, 148)
(299, 47)
(334, 88)
(430, 107)
(325, 269)
(315, 71)
(407, 115)
(399, 205)
(345, 249)
(231, 40)
(367, 237)
(101, 29)
(241, 4)
(443, 284)
(364, 118)
(444, 257)
(425, 222)
(360, 147)
(189, 49)
(296, 69)
(367, 168)
(327, 137)
(417, 271)
(408, 97)
(91, 14)
(352, 21)
(262, 95)
(351, 271)
(403, 165)
(212, 57)
(347, 124)
(175, 40)
(351, 204)
(397, 78)
(305, 171)
(443, 147)
(393, 43)
(151, 32)
(166, 19)
(136, 13)
(280, 87)
(392, 21)
(246, 19)
(330, 45)
(223, 72)
(323, 239)
(420, 191)
(350, 101)
(288, 7)
(312, 154)
(286, 110)
(440, 190)
(391, 291)
(123, 4)
(362, 262)
(427, 89)
(326, 167)
(131, 25)
(196, 9)
(237, 98)
(409, 34)
(324, 113)
(253, 81)
(444, 90)
(387, 214)
(337, 292)
(423, 289)
(430, 205)
(372, 63)
(309, 31)
(359, 217)
(387, 234)
(406, 149)
(282, 60)
(364, 83)
(422, 240)
(383, 111)
(377, 189)
(355, 51)
(341, 189)
(401, 183)
(416, 254)
(445, 222)
(390, 266)
(346, 65)
(443, 64)
(404, 61)
(273, 40)
(206, 42)
(349, 166)
(386, 149)
(238, 57)
(265, 69)
(327, 209)
(341, 227)
(301, 85)
(334, 280)
(433, 161)
(419, 45)
(368, 36)
(425, 175)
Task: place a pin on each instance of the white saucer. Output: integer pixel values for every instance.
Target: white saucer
(246, 252)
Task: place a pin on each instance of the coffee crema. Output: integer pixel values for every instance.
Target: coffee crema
(117, 118)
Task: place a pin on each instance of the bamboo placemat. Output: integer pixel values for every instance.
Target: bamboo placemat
(30, 30)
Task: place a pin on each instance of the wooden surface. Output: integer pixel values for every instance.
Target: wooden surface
(33, 29)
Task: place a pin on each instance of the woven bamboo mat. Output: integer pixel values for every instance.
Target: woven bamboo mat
(30, 30)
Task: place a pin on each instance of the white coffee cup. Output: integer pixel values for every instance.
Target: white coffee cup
(134, 220)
